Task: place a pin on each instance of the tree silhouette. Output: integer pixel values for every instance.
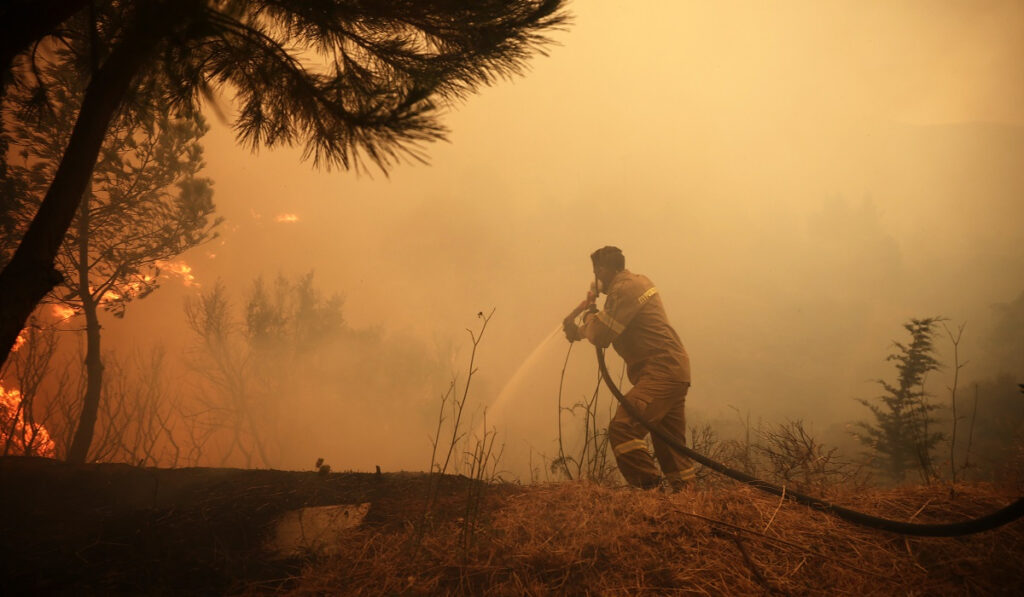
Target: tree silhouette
(144, 204)
(354, 82)
(250, 360)
(900, 433)
(26, 22)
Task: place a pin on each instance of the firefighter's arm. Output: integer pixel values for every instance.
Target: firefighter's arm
(570, 326)
(601, 327)
(596, 328)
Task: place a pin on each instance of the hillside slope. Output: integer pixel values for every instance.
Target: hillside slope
(101, 529)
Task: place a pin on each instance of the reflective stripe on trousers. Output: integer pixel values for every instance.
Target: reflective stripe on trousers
(629, 446)
(662, 403)
(688, 474)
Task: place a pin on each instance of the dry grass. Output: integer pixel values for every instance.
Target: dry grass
(579, 538)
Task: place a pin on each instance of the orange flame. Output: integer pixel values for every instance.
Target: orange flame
(287, 218)
(16, 434)
(134, 287)
(19, 341)
(63, 312)
(130, 289)
(180, 269)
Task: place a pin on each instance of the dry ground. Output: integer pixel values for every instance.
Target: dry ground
(117, 529)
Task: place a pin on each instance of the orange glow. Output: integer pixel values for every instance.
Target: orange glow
(63, 312)
(24, 439)
(129, 289)
(793, 181)
(180, 269)
(19, 341)
(287, 218)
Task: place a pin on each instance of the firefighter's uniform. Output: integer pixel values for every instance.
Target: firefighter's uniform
(633, 320)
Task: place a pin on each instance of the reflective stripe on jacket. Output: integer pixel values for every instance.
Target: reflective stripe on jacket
(633, 320)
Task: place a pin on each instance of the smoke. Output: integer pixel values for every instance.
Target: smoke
(798, 183)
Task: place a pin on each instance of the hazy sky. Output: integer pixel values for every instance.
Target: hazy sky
(798, 178)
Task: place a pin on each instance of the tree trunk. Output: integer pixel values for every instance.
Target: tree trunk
(30, 273)
(79, 451)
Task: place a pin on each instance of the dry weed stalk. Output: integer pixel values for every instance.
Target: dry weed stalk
(592, 461)
(481, 459)
(483, 462)
(561, 461)
(458, 406)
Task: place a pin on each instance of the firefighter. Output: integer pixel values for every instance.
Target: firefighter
(633, 320)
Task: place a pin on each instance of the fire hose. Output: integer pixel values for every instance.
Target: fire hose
(954, 529)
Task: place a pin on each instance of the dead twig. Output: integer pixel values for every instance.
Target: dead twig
(754, 569)
(782, 498)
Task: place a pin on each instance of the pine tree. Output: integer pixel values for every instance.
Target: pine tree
(145, 204)
(901, 433)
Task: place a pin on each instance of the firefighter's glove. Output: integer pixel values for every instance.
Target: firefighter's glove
(572, 332)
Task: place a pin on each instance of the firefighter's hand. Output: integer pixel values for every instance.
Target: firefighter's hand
(572, 333)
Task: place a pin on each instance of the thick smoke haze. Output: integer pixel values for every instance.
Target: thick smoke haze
(798, 179)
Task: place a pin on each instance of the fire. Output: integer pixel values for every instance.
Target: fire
(63, 312)
(181, 269)
(287, 218)
(130, 289)
(19, 341)
(135, 287)
(18, 436)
